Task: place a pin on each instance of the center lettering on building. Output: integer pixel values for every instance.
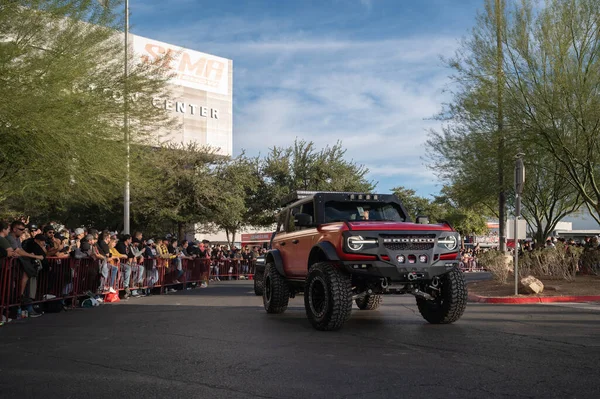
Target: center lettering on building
(185, 108)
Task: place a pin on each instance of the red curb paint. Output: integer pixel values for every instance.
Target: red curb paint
(537, 299)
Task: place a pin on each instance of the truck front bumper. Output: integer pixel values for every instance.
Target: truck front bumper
(399, 273)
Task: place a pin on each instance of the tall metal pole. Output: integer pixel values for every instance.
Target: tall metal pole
(126, 196)
(519, 185)
(517, 211)
(499, 9)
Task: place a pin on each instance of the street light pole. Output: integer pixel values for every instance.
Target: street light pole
(519, 183)
(126, 195)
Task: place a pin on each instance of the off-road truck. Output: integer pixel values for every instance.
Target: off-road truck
(337, 248)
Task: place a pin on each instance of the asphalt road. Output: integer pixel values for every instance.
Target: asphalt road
(219, 343)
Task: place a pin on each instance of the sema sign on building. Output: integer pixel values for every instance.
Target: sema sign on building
(201, 96)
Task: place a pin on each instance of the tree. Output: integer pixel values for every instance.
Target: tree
(175, 187)
(478, 105)
(237, 181)
(61, 116)
(466, 220)
(464, 153)
(302, 167)
(555, 86)
(416, 205)
(547, 197)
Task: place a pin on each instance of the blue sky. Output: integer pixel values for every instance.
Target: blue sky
(366, 72)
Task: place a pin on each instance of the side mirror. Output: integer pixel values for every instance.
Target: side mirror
(421, 219)
(303, 220)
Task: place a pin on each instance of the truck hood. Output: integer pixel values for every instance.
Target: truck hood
(397, 226)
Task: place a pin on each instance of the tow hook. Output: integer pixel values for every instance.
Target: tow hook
(414, 276)
(435, 284)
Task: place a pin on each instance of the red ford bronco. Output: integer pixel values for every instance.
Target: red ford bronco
(343, 247)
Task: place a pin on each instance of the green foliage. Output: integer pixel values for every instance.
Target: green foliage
(466, 152)
(554, 80)
(551, 263)
(61, 116)
(590, 261)
(237, 181)
(416, 205)
(62, 153)
(173, 185)
(466, 220)
(496, 263)
(302, 167)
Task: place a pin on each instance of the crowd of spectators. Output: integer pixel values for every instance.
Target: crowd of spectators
(134, 256)
(469, 256)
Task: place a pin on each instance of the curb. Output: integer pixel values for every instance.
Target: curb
(529, 300)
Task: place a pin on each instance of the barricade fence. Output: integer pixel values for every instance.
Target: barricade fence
(68, 279)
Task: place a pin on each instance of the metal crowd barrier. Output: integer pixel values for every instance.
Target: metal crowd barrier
(68, 279)
(472, 265)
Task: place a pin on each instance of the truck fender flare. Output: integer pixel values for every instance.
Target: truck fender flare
(275, 257)
(322, 252)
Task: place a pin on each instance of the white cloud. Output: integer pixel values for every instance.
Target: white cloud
(376, 96)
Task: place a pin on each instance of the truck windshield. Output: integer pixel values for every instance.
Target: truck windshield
(340, 211)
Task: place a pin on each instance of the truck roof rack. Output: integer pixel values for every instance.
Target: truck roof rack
(301, 194)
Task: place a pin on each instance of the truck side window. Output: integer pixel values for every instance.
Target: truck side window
(309, 209)
(280, 222)
(291, 225)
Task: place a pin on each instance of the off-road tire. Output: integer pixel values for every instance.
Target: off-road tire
(327, 297)
(276, 292)
(369, 302)
(258, 283)
(450, 305)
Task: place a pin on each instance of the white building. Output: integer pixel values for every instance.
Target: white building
(201, 94)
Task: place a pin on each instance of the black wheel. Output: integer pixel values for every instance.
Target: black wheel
(369, 302)
(258, 283)
(449, 303)
(276, 293)
(327, 297)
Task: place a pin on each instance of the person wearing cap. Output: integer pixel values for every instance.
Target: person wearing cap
(34, 229)
(83, 247)
(79, 235)
(75, 242)
(36, 246)
(25, 258)
(124, 248)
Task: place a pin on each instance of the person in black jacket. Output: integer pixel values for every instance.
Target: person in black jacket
(124, 248)
(35, 246)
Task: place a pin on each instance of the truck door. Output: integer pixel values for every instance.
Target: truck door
(301, 240)
(281, 241)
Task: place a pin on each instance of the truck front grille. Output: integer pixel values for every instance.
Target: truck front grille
(409, 247)
(412, 242)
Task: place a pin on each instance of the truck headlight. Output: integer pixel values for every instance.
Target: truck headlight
(356, 243)
(449, 242)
